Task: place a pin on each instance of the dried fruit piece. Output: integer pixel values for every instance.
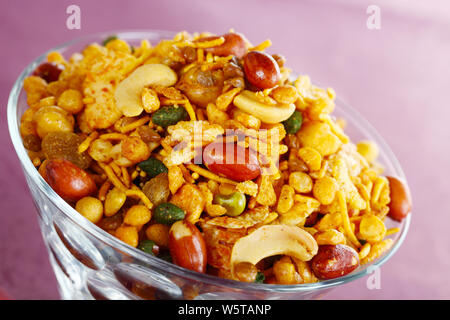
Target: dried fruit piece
(111, 223)
(148, 134)
(32, 142)
(64, 145)
(201, 87)
(48, 71)
(157, 189)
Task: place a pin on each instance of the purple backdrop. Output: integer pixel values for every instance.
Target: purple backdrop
(397, 77)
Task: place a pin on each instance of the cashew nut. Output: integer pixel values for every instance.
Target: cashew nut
(248, 102)
(270, 240)
(128, 92)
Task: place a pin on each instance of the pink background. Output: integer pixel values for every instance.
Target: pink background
(397, 77)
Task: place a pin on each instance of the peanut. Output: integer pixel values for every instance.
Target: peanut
(333, 261)
(400, 205)
(187, 246)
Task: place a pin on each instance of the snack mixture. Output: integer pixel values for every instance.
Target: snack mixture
(203, 151)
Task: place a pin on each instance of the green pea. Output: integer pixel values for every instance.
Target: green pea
(168, 213)
(169, 115)
(294, 123)
(152, 167)
(110, 38)
(234, 203)
(147, 246)
(260, 277)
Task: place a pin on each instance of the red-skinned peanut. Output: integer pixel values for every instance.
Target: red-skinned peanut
(261, 70)
(187, 246)
(68, 180)
(232, 161)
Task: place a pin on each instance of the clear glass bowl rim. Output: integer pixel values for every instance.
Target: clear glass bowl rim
(108, 239)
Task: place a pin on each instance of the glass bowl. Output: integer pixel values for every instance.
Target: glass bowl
(89, 263)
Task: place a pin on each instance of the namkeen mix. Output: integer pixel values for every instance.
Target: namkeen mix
(203, 150)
